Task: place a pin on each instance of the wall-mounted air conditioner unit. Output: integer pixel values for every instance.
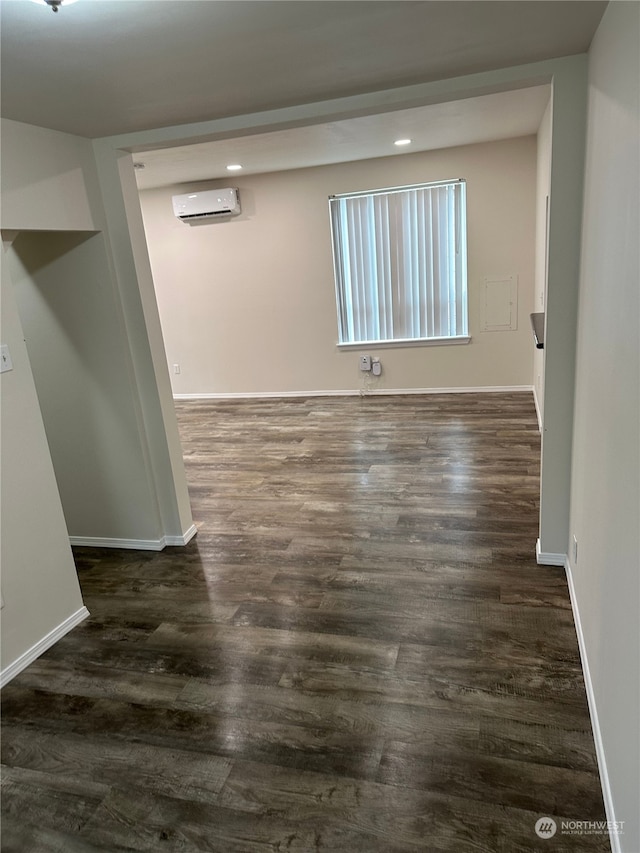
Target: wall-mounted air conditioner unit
(208, 204)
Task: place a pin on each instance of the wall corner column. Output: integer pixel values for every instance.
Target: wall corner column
(134, 281)
(569, 112)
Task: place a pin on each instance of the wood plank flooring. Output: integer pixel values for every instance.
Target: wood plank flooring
(357, 654)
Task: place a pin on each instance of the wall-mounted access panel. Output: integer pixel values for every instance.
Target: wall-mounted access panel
(499, 303)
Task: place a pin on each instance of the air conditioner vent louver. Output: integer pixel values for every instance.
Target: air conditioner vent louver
(225, 212)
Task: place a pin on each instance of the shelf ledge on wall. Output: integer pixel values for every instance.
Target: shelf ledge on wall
(537, 324)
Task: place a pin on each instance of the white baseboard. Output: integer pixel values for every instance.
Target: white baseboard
(181, 540)
(42, 645)
(593, 713)
(548, 559)
(538, 412)
(134, 544)
(480, 389)
(267, 395)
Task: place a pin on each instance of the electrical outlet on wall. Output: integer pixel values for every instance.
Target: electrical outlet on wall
(365, 362)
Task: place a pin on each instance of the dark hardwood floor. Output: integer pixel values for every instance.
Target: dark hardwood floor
(358, 652)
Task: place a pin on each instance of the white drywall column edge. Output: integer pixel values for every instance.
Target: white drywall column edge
(569, 112)
(132, 272)
(165, 430)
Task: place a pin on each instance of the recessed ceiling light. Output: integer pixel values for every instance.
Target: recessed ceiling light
(234, 167)
(403, 142)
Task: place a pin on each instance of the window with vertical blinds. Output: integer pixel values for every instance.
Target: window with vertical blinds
(400, 263)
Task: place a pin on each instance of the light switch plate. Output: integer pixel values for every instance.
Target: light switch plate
(5, 359)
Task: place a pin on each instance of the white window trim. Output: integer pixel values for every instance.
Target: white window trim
(407, 342)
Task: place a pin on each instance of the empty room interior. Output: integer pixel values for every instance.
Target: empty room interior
(320, 426)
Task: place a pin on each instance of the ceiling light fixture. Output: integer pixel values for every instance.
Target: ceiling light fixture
(403, 142)
(234, 167)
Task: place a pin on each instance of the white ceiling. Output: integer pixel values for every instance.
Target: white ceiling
(105, 67)
(497, 116)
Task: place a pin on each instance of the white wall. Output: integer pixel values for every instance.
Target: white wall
(49, 180)
(248, 305)
(543, 188)
(39, 582)
(63, 289)
(51, 183)
(605, 485)
(90, 343)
